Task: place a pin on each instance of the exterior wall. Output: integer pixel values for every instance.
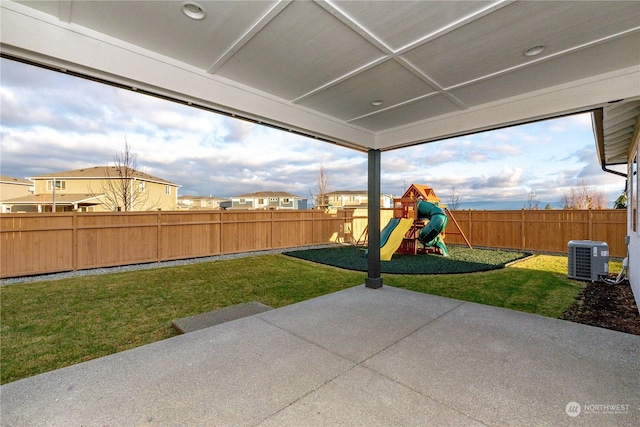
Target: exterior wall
(12, 191)
(199, 202)
(633, 222)
(342, 200)
(269, 203)
(241, 203)
(286, 203)
(274, 202)
(155, 194)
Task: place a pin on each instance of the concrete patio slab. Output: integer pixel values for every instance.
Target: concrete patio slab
(356, 357)
(237, 374)
(362, 397)
(503, 366)
(359, 322)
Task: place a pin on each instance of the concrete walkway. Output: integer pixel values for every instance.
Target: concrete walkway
(358, 357)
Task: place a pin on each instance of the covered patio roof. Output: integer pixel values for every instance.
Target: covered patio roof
(366, 75)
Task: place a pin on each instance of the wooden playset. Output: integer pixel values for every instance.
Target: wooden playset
(420, 204)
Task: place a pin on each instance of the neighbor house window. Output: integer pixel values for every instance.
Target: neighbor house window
(60, 185)
(285, 200)
(243, 201)
(167, 189)
(260, 201)
(273, 199)
(142, 185)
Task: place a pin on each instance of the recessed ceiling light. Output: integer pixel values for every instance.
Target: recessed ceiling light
(534, 50)
(377, 102)
(193, 10)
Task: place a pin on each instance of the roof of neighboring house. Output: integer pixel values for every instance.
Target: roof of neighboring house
(61, 199)
(268, 194)
(10, 180)
(102, 172)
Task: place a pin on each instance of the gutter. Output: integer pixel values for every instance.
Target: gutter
(598, 130)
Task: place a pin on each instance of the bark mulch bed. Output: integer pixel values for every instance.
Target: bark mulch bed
(606, 306)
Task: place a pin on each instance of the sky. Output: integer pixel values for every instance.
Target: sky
(53, 122)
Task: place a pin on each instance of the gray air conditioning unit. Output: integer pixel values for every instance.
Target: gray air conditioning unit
(588, 260)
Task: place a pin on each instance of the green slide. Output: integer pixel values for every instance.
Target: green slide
(430, 234)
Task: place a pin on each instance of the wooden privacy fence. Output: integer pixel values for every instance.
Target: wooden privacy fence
(46, 242)
(540, 230)
(531, 230)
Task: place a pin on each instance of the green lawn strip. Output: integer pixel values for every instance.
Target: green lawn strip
(460, 260)
(525, 286)
(49, 325)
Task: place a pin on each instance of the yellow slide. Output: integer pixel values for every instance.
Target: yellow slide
(391, 236)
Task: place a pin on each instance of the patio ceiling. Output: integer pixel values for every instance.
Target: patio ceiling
(438, 69)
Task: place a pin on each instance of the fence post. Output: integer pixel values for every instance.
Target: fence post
(74, 241)
(522, 229)
(159, 236)
(220, 234)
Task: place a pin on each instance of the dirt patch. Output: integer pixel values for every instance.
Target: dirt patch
(606, 306)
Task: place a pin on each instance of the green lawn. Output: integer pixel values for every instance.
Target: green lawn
(48, 325)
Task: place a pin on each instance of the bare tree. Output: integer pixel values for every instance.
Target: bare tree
(532, 201)
(583, 196)
(455, 199)
(122, 189)
(322, 189)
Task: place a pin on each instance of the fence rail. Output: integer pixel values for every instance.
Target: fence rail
(47, 242)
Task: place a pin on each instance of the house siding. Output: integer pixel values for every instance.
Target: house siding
(633, 222)
(91, 182)
(269, 201)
